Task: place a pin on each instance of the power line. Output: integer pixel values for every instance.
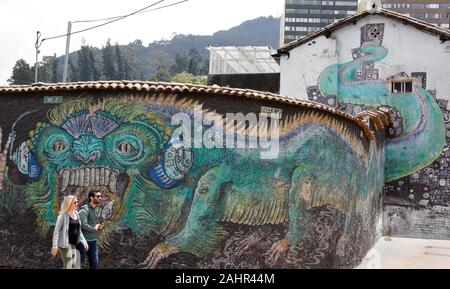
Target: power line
(115, 19)
(103, 24)
(110, 18)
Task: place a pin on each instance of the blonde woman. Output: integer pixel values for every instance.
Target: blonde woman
(67, 234)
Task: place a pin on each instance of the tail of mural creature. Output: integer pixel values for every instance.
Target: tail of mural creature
(356, 83)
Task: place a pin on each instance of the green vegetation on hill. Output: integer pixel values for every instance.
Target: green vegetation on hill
(160, 60)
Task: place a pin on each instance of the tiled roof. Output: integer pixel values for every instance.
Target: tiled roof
(444, 34)
(145, 86)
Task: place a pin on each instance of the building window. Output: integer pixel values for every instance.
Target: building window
(308, 2)
(314, 11)
(401, 85)
(345, 3)
(418, 15)
(301, 11)
(311, 29)
(301, 20)
(432, 6)
(300, 28)
(398, 5)
(329, 3)
(418, 6)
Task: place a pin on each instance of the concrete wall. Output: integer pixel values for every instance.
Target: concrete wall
(352, 70)
(315, 204)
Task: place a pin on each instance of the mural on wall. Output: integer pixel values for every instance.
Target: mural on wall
(3, 158)
(418, 134)
(315, 205)
(428, 187)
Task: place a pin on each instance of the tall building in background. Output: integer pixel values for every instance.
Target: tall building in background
(301, 17)
(434, 11)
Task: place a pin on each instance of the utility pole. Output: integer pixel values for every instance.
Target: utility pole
(66, 59)
(36, 65)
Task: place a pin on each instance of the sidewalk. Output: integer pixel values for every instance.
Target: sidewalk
(405, 253)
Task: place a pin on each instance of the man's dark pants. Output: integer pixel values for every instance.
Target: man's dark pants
(92, 254)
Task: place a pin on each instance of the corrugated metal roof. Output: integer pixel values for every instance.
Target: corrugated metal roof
(145, 86)
(443, 34)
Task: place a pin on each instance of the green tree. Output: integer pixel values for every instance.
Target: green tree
(108, 61)
(84, 72)
(87, 69)
(121, 65)
(22, 73)
(181, 62)
(72, 71)
(162, 74)
(54, 69)
(185, 77)
(93, 65)
(48, 69)
(204, 68)
(194, 61)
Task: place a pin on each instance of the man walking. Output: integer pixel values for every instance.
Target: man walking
(90, 227)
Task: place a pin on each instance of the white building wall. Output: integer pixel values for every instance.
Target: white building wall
(410, 50)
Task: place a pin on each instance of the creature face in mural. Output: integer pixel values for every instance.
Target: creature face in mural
(126, 147)
(356, 84)
(86, 147)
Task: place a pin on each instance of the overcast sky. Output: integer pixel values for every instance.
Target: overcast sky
(20, 19)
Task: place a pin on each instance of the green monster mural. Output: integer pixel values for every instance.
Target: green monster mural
(154, 182)
(356, 82)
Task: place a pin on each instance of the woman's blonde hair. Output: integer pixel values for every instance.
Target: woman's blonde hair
(66, 204)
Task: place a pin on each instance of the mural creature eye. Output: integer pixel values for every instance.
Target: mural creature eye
(126, 147)
(59, 146)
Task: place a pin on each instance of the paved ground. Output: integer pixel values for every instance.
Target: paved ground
(404, 253)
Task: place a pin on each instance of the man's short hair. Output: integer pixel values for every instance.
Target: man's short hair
(92, 194)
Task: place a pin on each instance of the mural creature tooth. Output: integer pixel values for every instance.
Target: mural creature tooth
(102, 176)
(97, 177)
(72, 178)
(81, 178)
(87, 173)
(65, 180)
(107, 173)
(92, 177)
